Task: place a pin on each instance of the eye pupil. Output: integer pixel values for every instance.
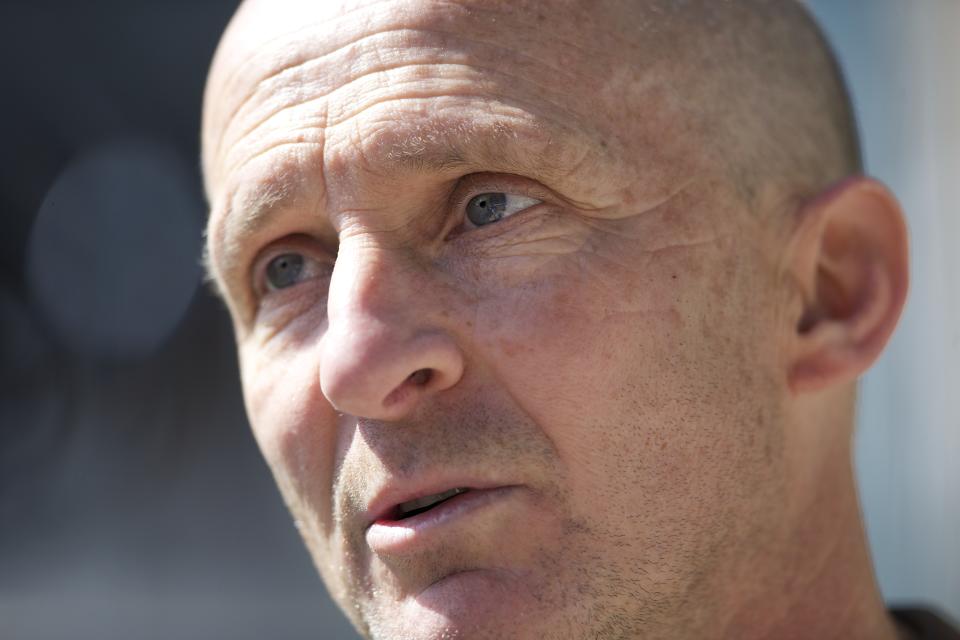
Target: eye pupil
(283, 271)
(486, 208)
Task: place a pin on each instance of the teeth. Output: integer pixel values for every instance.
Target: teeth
(426, 501)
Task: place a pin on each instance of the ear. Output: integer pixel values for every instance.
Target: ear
(848, 256)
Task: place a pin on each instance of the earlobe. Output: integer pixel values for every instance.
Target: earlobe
(849, 255)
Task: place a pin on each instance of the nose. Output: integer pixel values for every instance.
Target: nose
(385, 350)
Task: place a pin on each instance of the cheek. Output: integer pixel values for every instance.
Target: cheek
(295, 430)
(566, 344)
(303, 441)
(641, 379)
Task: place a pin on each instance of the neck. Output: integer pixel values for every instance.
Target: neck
(815, 579)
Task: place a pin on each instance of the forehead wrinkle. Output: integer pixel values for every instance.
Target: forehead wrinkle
(404, 155)
(289, 50)
(411, 56)
(279, 74)
(276, 48)
(567, 120)
(421, 97)
(412, 62)
(453, 139)
(462, 87)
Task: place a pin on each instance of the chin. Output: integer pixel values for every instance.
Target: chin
(477, 604)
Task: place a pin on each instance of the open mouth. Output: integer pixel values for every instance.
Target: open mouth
(420, 522)
(417, 506)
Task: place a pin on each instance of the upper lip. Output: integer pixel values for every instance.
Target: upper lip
(389, 495)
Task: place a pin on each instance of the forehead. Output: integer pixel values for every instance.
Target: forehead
(338, 59)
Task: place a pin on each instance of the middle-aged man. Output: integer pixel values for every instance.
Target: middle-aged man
(550, 313)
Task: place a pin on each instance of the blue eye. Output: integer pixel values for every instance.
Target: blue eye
(284, 271)
(491, 207)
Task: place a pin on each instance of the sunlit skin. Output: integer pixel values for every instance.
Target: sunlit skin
(657, 374)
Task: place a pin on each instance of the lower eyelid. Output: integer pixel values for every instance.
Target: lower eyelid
(281, 306)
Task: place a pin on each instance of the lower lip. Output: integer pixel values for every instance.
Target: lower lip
(392, 536)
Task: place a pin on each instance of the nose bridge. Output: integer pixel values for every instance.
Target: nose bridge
(372, 280)
(385, 349)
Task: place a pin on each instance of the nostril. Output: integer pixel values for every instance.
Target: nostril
(420, 377)
(416, 381)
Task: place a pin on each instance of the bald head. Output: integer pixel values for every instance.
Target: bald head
(752, 82)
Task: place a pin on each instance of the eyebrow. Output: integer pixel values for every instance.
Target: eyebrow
(531, 151)
(261, 203)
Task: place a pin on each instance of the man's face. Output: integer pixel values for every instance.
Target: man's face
(483, 248)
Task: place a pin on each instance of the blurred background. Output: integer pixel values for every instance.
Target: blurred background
(133, 501)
